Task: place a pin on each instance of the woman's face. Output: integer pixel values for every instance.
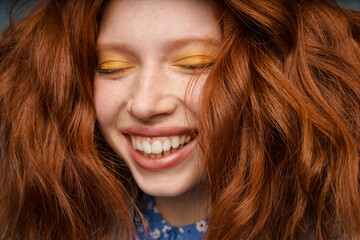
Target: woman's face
(147, 52)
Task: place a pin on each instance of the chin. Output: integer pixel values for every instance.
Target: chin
(169, 189)
(170, 182)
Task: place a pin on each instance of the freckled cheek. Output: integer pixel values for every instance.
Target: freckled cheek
(194, 96)
(106, 104)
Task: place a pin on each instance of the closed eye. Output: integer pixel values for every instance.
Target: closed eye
(114, 67)
(197, 66)
(192, 63)
(110, 71)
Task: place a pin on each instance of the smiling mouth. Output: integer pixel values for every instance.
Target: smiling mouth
(156, 147)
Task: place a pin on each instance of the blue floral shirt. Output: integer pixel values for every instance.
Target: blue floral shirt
(159, 229)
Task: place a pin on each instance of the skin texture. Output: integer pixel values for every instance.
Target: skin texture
(151, 41)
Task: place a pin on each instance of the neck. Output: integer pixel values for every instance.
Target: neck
(186, 208)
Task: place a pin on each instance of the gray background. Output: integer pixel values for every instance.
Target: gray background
(354, 4)
(3, 14)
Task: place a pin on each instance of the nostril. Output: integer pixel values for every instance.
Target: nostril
(148, 108)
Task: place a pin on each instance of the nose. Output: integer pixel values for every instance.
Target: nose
(152, 97)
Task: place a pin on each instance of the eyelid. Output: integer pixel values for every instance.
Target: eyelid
(193, 59)
(115, 64)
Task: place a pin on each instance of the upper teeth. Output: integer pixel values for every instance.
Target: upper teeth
(161, 145)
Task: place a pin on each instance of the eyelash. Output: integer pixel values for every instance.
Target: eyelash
(192, 67)
(197, 66)
(110, 71)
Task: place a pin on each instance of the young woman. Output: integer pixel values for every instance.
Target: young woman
(179, 119)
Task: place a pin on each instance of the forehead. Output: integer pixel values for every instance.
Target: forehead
(158, 21)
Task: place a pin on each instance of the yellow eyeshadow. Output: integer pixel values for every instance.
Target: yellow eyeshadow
(194, 60)
(116, 64)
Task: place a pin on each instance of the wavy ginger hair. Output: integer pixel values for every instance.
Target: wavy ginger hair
(55, 181)
(283, 95)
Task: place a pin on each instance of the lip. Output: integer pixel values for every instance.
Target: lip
(157, 131)
(164, 162)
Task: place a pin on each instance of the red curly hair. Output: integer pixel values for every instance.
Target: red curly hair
(283, 99)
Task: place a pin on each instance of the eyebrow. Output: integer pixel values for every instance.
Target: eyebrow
(186, 41)
(177, 43)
